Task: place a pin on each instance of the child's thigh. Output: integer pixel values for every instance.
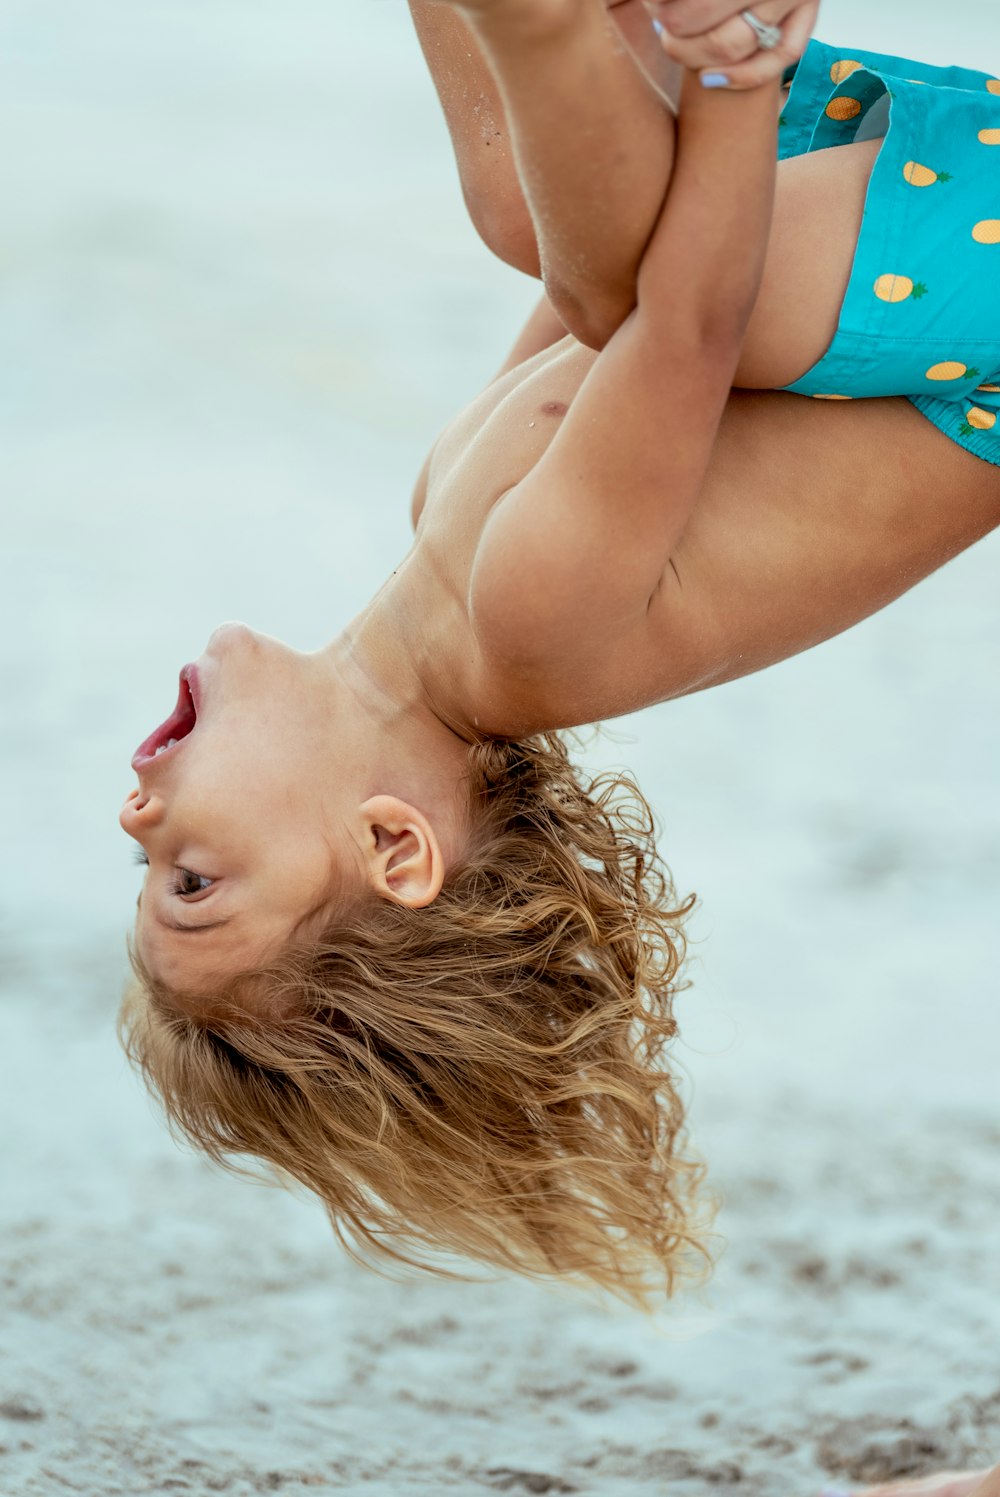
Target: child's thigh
(818, 210)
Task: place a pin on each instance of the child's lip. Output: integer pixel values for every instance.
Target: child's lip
(179, 725)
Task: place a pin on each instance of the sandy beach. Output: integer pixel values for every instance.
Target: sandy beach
(238, 298)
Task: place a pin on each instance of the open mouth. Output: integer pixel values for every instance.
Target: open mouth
(169, 736)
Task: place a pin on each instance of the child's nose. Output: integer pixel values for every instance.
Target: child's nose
(140, 810)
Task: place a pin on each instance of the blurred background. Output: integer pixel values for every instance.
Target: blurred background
(238, 299)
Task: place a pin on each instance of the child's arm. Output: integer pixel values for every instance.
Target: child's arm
(573, 556)
(706, 33)
(593, 136)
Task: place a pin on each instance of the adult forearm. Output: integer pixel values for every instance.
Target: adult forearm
(593, 141)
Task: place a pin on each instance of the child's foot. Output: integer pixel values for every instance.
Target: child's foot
(945, 1484)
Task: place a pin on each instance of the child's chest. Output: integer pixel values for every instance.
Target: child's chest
(492, 444)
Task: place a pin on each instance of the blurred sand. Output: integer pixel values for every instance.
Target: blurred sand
(237, 299)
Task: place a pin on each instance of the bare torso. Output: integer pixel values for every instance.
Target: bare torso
(812, 517)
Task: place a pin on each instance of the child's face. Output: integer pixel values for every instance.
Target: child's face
(239, 818)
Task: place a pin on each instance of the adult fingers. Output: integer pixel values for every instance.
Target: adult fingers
(687, 18)
(732, 41)
(766, 67)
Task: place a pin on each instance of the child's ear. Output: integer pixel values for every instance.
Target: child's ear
(403, 854)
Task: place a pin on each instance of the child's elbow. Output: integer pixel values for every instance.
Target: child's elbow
(592, 318)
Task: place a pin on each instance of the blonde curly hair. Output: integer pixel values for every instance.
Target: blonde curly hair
(485, 1075)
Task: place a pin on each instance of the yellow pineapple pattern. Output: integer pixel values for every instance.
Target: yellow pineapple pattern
(951, 369)
(923, 176)
(843, 109)
(896, 288)
(977, 420)
(951, 378)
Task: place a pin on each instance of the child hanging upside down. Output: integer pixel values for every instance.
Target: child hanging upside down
(389, 940)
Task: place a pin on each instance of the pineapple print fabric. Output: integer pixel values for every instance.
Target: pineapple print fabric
(921, 316)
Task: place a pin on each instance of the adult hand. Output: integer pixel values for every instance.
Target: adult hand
(712, 36)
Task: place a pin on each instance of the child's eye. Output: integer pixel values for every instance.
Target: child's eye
(187, 883)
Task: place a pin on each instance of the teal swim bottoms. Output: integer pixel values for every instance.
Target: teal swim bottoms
(921, 316)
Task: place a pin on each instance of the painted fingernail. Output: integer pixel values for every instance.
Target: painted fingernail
(659, 27)
(715, 80)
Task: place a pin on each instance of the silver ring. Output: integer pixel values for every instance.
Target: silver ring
(768, 37)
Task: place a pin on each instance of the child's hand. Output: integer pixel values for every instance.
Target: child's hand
(711, 36)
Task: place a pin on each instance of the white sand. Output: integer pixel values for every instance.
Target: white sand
(237, 298)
